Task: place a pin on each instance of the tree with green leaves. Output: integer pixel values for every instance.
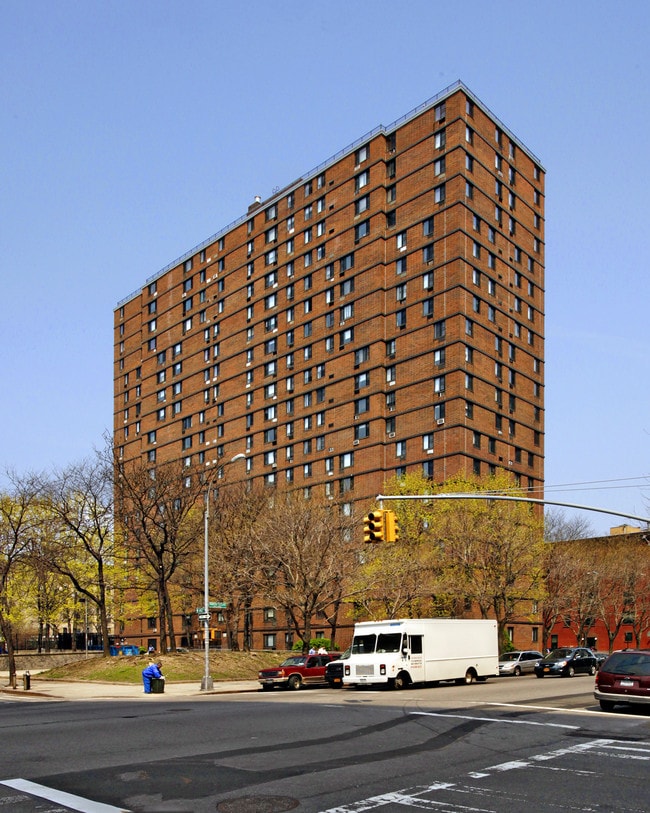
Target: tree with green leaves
(493, 548)
(79, 541)
(20, 523)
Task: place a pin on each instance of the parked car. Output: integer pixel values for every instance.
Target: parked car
(567, 662)
(334, 671)
(297, 670)
(624, 678)
(600, 657)
(518, 663)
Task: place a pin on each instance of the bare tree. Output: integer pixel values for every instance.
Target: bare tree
(305, 556)
(559, 528)
(234, 561)
(556, 603)
(160, 512)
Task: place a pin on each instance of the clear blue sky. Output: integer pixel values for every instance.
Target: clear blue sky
(131, 131)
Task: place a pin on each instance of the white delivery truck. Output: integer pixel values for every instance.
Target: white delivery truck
(422, 650)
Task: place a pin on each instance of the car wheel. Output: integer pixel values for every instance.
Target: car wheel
(570, 672)
(606, 705)
(517, 671)
(539, 674)
(592, 669)
(294, 682)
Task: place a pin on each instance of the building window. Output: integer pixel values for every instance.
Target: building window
(361, 230)
(362, 205)
(361, 180)
(361, 154)
(347, 262)
(362, 431)
(361, 405)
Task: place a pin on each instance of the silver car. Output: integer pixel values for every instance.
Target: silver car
(518, 663)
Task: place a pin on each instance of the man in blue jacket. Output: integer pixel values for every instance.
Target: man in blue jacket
(151, 671)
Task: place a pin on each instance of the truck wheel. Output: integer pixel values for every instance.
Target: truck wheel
(470, 676)
(267, 687)
(294, 682)
(401, 681)
(606, 705)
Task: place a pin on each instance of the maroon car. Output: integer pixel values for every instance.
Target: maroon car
(296, 671)
(624, 678)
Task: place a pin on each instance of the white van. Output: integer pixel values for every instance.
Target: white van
(422, 650)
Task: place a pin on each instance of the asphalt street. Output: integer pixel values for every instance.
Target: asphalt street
(506, 745)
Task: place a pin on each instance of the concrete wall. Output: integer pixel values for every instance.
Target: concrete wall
(29, 661)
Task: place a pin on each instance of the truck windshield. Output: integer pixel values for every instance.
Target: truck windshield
(389, 642)
(363, 644)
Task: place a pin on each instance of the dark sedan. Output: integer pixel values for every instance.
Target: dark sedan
(567, 662)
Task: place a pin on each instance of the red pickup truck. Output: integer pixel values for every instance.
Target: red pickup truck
(297, 670)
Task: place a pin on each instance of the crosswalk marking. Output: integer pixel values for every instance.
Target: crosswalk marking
(61, 798)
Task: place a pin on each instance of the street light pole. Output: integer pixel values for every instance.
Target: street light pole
(207, 684)
(86, 627)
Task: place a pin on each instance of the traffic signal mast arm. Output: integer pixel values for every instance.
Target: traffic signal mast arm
(489, 496)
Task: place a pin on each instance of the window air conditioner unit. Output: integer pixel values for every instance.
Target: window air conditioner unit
(391, 434)
(355, 442)
(440, 421)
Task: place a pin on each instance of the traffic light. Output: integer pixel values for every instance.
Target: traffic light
(373, 526)
(391, 526)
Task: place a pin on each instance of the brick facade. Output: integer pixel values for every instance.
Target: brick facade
(384, 313)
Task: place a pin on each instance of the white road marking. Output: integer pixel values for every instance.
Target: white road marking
(61, 798)
(492, 719)
(413, 797)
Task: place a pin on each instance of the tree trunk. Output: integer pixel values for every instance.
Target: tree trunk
(169, 615)
(5, 626)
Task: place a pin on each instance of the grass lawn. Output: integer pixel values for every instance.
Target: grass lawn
(176, 667)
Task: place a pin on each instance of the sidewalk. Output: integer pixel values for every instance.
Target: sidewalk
(93, 690)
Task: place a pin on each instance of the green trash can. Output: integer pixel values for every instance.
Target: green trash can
(157, 686)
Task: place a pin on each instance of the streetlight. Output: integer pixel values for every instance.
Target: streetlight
(207, 684)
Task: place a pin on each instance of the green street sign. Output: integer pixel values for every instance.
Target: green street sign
(213, 605)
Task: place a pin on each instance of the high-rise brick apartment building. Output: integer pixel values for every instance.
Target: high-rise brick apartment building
(382, 314)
